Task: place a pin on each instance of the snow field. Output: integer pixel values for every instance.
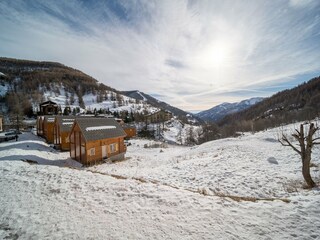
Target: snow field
(50, 201)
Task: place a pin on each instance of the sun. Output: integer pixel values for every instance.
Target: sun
(219, 53)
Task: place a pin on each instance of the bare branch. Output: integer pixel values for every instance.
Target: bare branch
(316, 139)
(285, 142)
(299, 139)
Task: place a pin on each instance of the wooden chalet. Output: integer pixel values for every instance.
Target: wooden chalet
(95, 139)
(48, 124)
(48, 108)
(160, 116)
(130, 130)
(61, 130)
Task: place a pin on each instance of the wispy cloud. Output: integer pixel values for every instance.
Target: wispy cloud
(194, 54)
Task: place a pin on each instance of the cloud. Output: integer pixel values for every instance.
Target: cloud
(301, 3)
(194, 54)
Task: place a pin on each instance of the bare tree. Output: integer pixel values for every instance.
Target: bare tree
(306, 142)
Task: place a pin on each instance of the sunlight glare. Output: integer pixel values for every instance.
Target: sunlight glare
(219, 54)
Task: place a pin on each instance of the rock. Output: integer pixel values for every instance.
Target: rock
(272, 160)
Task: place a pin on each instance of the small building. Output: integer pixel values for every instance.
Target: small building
(61, 130)
(94, 139)
(160, 116)
(48, 124)
(48, 108)
(130, 130)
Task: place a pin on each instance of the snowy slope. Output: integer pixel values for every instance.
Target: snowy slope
(90, 101)
(160, 199)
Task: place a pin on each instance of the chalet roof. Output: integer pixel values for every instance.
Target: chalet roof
(100, 128)
(65, 122)
(48, 103)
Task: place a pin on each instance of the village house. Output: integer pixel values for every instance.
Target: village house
(61, 130)
(157, 117)
(95, 139)
(48, 108)
(48, 124)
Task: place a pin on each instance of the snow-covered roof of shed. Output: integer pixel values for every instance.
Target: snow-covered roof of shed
(65, 122)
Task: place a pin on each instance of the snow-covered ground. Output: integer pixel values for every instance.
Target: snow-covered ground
(172, 192)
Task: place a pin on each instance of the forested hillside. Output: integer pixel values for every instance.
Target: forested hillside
(296, 104)
(25, 82)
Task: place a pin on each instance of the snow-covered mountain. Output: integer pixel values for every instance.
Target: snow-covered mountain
(218, 112)
(25, 84)
(187, 117)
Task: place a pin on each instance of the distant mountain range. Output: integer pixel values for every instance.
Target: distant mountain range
(297, 104)
(24, 84)
(218, 112)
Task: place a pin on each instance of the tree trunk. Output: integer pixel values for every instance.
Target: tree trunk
(306, 143)
(306, 171)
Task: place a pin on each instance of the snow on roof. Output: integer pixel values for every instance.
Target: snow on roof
(68, 119)
(99, 128)
(67, 123)
(2, 74)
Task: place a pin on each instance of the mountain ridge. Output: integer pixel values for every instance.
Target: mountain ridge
(218, 112)
(183, 115)
(300, 103)
(26, 83)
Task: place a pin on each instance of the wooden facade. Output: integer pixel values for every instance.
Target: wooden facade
(40, 120)
(61, 130)
(48, 124)
(93, 140)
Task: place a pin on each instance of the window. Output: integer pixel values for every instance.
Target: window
(92, 151)
(113, 147)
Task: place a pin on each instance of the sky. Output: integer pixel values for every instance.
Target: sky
(191, 54)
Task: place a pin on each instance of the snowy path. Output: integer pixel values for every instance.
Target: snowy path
(49, 202)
